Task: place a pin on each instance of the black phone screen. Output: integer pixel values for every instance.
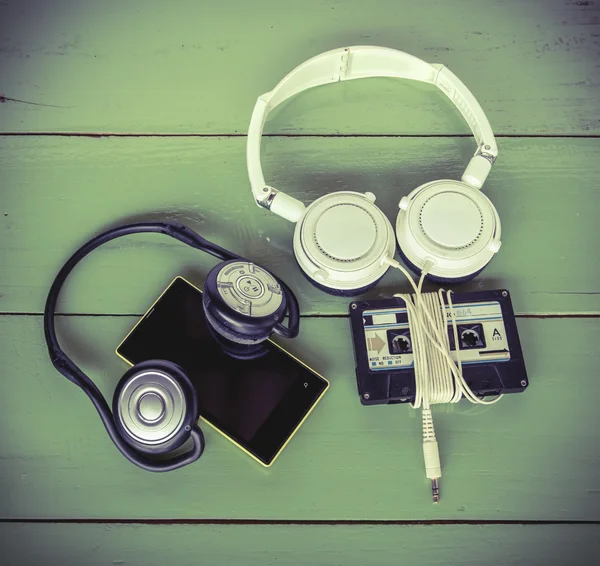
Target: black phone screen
(258, 404)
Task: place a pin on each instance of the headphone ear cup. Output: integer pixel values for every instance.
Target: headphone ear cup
(342, 241)
(450, 224)
(243, 304)
(225, 331)
(155, 406)
(236, 345)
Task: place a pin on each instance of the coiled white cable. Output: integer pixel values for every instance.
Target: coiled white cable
(438, 378)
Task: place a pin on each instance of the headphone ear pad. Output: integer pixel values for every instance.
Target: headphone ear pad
(338, 292)
(236, 345)
(155, 406)
(225, 331)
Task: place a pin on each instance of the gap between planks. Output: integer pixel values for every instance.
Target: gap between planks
(130, 314)
(282, 135)
(297, 522)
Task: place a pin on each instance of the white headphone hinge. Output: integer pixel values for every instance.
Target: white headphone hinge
(477, 171)
(284, 205)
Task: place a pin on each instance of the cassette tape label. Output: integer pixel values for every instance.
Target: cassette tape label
(480, 327)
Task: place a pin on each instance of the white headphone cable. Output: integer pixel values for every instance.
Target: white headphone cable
(438, 378)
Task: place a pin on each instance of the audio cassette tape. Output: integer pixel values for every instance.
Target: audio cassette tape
(489, 346)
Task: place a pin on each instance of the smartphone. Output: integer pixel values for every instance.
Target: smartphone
(257, 404)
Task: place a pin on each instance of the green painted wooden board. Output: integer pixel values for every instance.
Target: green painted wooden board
(91, 545)
(532, 456)
(58, 192)
(181, 67)
(185, 66)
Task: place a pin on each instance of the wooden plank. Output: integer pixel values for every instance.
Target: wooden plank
(532, 456)
(58, 192)
(186, 66)
(90, 545)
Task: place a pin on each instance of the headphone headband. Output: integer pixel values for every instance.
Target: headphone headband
(359, 62)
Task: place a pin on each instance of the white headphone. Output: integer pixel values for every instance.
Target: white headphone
(343, 242)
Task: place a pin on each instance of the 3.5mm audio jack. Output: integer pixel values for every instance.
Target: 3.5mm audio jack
(431, 453)
(435, 490)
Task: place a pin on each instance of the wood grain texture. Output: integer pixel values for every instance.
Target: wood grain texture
(58, 192)
(187, 66)
(94, 545)
(197, 67)
(533, 456)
